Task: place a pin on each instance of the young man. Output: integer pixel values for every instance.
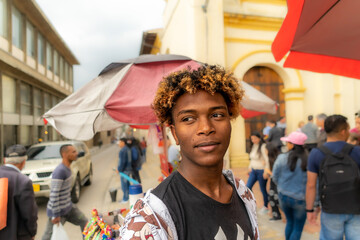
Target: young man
(199, 200)
(60, 209)
(21, 207)
(340, 207)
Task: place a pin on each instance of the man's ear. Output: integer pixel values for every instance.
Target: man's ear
(173, 132)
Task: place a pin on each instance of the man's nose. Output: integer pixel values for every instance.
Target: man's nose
(205, 126)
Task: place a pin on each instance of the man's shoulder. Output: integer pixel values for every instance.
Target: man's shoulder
(316, 153)
(161, 190)
(61, 172)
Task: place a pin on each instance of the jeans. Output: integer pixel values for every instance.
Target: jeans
(257, 175)
(125, 184)
(75, 216)
(295, 216)
(335, 226)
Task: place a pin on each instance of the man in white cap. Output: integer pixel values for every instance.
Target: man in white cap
(22, 210)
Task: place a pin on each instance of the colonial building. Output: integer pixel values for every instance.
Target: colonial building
(238, 34)
(36, 72)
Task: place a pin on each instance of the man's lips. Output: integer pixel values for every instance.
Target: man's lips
(207, 146)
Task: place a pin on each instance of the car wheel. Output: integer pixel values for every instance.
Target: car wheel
(75, 192)
(90, 174)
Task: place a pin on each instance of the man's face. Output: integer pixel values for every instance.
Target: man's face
(121, 144)
(320, 122)
(72, 154)
(201, 127)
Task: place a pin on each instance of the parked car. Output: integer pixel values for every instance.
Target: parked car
(43, 158)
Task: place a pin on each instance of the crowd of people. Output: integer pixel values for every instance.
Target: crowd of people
(316, 169)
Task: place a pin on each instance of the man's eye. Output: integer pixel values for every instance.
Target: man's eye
(187, 119)
(218, 115)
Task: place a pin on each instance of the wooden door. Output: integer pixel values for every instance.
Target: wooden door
(268, 82)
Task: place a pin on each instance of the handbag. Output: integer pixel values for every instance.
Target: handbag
(59, 232)
(4, 184)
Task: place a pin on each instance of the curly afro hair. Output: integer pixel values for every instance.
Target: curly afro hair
(210, 78)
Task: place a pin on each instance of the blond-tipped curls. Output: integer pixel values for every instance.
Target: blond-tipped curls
(210, 78)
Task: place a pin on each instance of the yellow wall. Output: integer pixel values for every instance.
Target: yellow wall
(238, 35)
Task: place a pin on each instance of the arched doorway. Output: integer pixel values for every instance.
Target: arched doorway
(268, 82)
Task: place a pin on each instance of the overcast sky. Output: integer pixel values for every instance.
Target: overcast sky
(99, 32)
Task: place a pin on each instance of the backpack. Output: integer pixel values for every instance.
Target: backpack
(138, 158)
(339, 182)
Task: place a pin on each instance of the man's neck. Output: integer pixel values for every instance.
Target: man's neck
(66, 162)
(333, 139)
(210, 181)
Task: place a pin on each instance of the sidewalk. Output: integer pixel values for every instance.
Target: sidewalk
(151, 172)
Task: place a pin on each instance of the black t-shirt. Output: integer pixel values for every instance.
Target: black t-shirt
(197, 216)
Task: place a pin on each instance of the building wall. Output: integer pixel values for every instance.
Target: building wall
(238, 35)
(36, 73)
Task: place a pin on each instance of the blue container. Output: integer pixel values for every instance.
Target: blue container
(135, 192)
(135, 189)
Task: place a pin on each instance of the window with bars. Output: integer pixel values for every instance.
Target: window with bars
(3, 17)
(9, 94)
(17, 25)
(38, 103)
(47, 102)
(30, 40)
(25, 99)
(49, 63)
(40, 42)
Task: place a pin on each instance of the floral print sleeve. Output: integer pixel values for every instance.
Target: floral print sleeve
(143, 223)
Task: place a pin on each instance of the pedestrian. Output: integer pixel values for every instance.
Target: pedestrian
(275, 134)
(356, 129)
(143, 146)
(282, 125)
(258, 161)
(353, 139)
(137, 159)
(266, 129)
(312, 132)
(199, 200)
(125, 166)
(300, 125)
(272, 152)
(321, 137)
(289, 174)
(337, 165)
(21, 221)
(60, 209)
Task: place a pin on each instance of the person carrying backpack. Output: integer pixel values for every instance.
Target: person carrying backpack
(137, 158)
(337, 165)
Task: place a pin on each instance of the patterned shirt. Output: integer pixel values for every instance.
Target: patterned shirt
(150, 218)
(60, 196)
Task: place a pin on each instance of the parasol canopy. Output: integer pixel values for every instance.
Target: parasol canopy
(123, 93)
(322, 36)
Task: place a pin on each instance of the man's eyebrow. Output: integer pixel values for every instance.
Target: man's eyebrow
(194, 111)
(219, 107)
(185, 111)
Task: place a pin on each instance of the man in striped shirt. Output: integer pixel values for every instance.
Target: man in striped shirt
(60, 209)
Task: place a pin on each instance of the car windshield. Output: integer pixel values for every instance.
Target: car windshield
(44, 152)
